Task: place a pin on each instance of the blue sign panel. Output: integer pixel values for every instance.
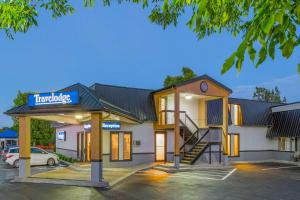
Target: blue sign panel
(108, 125)
(53, 98)
(61, 136)
(111, 125)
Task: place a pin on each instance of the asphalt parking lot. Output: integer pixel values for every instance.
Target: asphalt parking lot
(248, 181)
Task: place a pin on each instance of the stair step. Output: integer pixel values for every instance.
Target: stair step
(185, 161)
(191, 153)
(188, 158)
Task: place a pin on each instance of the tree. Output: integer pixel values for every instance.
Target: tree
(265, 25)
(41, 131)
(187, 74)
(264, 94)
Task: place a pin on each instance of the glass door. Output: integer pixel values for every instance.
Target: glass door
(160, 146)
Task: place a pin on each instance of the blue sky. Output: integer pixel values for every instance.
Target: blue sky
(118, 45)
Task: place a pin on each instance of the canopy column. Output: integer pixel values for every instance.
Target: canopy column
(24, 148)
(177, 131)
(96, 148)
(225, 128)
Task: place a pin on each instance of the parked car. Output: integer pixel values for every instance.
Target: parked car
(4, 151)
(37, 157)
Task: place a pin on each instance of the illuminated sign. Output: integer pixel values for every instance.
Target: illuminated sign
(111, 125)
(53, 98)
(61, 136)
(108, 125)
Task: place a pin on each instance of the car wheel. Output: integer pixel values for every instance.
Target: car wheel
(50, 162)
(16, 163)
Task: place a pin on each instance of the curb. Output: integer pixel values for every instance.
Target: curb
(79, 183)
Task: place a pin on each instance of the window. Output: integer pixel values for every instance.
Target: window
(121, 148)
(163, 108)
(282, 144)
(14, 150)
(234, 145)
(37, 151)
(236, 114)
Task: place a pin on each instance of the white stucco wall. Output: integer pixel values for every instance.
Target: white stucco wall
(253, 138)
(71, 137)
(191, 107)
(142, 132)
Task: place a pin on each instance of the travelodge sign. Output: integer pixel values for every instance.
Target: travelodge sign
(53, 98)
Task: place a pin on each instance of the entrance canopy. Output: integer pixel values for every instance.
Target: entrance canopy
(75, 104)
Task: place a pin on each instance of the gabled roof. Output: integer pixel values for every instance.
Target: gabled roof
(205, 76)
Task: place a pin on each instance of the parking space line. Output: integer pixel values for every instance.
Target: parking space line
(229, 174)
(276, 168)
(197, 177)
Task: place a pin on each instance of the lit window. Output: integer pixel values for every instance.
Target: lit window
(163, 108)
(236, 114)
(121, 146)
(233, 145)
(282, 144)
(127, 146)
(115, 146)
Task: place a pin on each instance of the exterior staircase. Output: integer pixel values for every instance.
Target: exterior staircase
(191, 156)
(196, 140)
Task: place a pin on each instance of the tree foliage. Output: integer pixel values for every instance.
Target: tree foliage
(270, 95)
(41, 131)
(265, 25)
(20, 15)
(187, 74)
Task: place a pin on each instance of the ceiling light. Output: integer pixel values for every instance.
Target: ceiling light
(78, 116)
(188, 97)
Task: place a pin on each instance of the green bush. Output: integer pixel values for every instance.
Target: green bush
(66, 158)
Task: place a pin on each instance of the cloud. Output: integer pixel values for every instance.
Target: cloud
(289, 87)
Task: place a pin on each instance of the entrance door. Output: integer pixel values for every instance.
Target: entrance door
(160, 146)
(84, 146)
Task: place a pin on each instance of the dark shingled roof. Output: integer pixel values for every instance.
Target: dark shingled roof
(254, 113)
(139, 102)
(285, 124)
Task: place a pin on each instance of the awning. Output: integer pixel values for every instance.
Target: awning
(8, 134)
(285, 124)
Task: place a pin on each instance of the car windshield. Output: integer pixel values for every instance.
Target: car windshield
(14, 150)
(36, 150)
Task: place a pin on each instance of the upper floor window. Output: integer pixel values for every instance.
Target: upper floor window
(236, 114)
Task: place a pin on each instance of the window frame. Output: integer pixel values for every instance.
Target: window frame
(230, 144)
(118, 132)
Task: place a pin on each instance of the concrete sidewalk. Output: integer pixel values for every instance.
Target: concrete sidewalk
(79, 175)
